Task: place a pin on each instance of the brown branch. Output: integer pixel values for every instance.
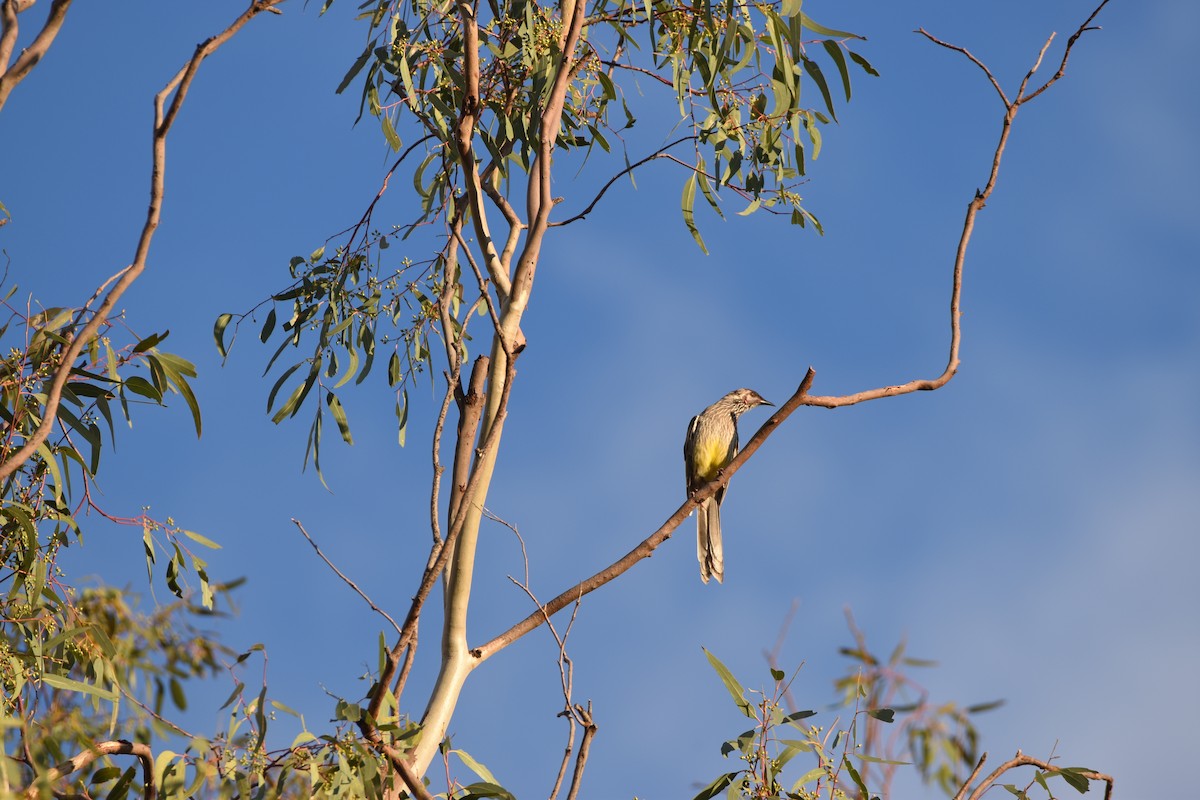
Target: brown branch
(163, 121)
(585, 746)
(410, 778)
(973, 59)
(973, 208)
(654, 540)
(801, 397)
(1022, 760)
(116, 747)
(971, 778)
(1062, 67)
(10, 76)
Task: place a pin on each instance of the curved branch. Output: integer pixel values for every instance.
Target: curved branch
(1022, 760)
(116, 747)
(800, 398)
(163, 121)
(659, 153)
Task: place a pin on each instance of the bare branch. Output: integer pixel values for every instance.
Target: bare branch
(801, 397)
(654, 540)
(1062, 67)
(961, 793)
(344, 577)
(178, 85)
(589, 732)
(116, 747)
(974, 60)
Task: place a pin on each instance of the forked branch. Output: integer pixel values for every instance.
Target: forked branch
(802, 397)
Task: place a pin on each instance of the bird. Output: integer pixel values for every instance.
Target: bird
(711, 443)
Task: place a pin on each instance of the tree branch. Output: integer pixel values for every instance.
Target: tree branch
(801, 397)
(163, 121)
(116, 747)
(1022, 760)
(11, 76)
(654, 540)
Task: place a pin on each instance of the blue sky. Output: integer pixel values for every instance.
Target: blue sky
(1032, 526)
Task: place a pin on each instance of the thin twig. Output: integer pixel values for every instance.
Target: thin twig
(659, 153)
(344, 577)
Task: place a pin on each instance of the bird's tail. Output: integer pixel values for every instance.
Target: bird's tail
(709, 551)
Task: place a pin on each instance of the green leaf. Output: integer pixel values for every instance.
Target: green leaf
(875, 760)
(735, 689)
(796, 716)
(356, 67)
(69, 685)
(402, 417)
(808, 777)
(854, 776)
(139, 385)
(979, 708)
(1075, 780)
(339, 416)
(814, 71)
(817, 28)
(482, 790)
(473, 765)
(104, 775)
(687, 206)
(294, 401)
(862, 62)
(204, 540)
(835, 52)
(882, 714)
(150, 341)
(717, 786)
(219, 333)
(389, 132)
(268, 327)
(178, 697)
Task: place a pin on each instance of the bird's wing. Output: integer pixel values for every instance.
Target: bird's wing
(689, 454)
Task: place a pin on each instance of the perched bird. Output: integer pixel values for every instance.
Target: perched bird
(711, 443)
